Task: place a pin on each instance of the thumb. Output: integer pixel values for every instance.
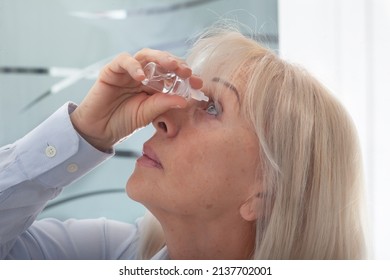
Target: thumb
(160, 103)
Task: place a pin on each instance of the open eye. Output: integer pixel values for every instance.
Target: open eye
(213, 108)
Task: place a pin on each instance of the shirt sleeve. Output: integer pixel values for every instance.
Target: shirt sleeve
(53, 154)
(34, 170)
(87, 239)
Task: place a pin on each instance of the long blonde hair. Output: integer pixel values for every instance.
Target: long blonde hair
(310, 163)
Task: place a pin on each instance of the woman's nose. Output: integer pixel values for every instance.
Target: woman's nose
(171, 121)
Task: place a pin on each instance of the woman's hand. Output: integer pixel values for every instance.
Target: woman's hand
(118, 103)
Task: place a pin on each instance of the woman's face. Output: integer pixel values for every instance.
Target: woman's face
(202, 159)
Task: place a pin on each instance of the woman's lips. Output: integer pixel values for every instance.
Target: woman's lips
(149, 158)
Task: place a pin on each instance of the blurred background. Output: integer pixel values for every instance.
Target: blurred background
(52, 50)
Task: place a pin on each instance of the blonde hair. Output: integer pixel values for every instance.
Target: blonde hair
(310, 164)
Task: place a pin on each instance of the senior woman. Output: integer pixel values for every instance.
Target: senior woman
(268, 168)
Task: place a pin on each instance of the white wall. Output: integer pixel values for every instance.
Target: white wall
(346, 44)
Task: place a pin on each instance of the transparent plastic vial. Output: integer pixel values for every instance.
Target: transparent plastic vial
(159, 79)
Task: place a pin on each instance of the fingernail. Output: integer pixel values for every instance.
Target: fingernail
(184, 65)
(176, 107)
(140, 72)
(171, 59)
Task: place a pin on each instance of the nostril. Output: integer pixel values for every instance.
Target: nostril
(163, 126)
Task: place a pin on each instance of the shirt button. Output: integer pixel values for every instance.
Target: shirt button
(72, 168)
(50, 151)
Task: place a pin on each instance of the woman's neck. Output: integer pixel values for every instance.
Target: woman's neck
(189, 238)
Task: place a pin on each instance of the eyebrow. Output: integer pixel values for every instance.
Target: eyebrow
(228, 85)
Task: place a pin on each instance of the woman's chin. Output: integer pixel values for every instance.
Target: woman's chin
(138, 187)
(133, 187)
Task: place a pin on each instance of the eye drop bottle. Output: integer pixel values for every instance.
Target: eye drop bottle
(168, 82)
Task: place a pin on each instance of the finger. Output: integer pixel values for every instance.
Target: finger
(166, 60)
(183, 70)
(124, 63)
(158, 104)
(196, 82)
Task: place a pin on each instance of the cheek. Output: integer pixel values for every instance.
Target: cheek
(218, 171)
(213, 174)
(205, 164)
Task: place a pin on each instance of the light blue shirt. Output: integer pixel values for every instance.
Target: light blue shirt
(34, 170)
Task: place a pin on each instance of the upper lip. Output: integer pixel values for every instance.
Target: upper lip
(149, 152)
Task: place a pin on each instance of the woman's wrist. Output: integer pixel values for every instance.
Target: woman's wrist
(100, 144)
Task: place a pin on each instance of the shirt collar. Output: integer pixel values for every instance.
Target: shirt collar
(162, 254)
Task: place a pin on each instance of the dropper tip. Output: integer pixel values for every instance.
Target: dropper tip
(199, 95)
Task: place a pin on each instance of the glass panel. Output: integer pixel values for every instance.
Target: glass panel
(51, 51)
